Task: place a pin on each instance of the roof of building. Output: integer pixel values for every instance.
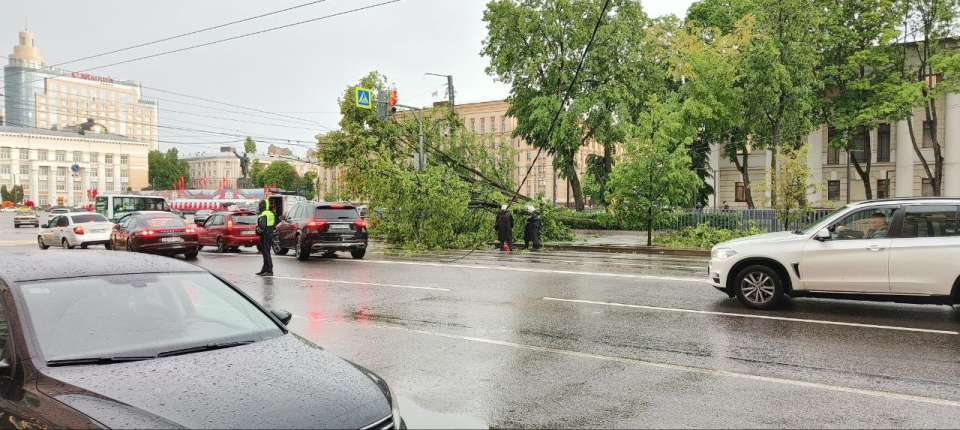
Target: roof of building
(68, 134)
(56, 264)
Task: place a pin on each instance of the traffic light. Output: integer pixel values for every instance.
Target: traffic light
(393, 100)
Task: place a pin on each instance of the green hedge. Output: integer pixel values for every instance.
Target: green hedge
(702, 236)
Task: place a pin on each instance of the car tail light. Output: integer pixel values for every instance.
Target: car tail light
(190, 230)
(317, 226)
(78, 230)
(360, 224)
(146, 233)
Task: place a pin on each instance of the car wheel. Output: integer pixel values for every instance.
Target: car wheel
(759, 287)
(66, 244)
(221, 246)
(16, 226)
(108, 245)
(41, 244)
(192, 255)
(277, 249)
(83, 246)
(302, 252)
(358, 253)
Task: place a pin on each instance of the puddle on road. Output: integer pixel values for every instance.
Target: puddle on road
(417, 417)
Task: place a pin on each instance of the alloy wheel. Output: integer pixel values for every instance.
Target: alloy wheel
(758, 288)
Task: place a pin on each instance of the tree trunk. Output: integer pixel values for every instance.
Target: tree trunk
(577, 190)
(918, 151)
(773, 174)
(864, 170)
(650, 225)
(743, 167)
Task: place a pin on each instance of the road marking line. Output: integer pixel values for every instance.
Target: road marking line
(691, 369)
(17, 242)
(374, 284)
(765, 317)
(532, 270)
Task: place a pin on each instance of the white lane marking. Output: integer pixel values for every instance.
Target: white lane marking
(374, 284)
(764, 317)
(691, 369)
(532, 270)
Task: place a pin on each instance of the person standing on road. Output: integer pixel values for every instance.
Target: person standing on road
(531, 231)
(504, 228)
(265, 223)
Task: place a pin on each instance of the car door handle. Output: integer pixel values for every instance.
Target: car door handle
(875, 248)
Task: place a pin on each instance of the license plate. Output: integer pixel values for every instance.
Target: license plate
(248, 233)
(97, 231)
(171, 239)
(339, 227)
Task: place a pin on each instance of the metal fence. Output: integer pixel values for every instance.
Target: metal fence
(769, 220)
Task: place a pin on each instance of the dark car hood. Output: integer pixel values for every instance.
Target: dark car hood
(286, 382)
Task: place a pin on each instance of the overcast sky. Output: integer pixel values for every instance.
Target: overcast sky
(300, 71)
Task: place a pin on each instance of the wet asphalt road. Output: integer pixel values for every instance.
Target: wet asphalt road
(563, 339)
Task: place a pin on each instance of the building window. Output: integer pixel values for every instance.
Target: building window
(61, 172)
(44, 170)
(108, 158)
(124, 159)
(77, 156)
(123, 173)
(883, 188)
(739, 192)
(4, 153)
(94, 157)
(77, 186)
(42, 154)
(61, 155)
(861, 141)
(883, 143)
(5, 169)
(483, 125)
(24, 169)
(61, 186)
(928, 134)
(529, 156)
(833, 190)
(493, 124)
(24, 154)
(833, 153)
(473, 125)
(503, 124)
(926, 187)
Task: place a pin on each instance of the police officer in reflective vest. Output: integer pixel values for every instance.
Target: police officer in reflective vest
(265, 224)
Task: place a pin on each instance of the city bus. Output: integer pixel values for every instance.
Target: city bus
(115, 206)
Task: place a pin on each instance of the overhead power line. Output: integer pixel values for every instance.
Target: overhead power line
(189, 33)
(241, 36)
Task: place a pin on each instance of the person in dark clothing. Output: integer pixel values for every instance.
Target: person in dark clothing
(504, 228)
(531, 231)
(265, 224)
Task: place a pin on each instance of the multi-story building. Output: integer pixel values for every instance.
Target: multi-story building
(57, 167)
(208, 170)
(44, 97)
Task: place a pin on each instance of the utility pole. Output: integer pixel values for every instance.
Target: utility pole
(451, 96)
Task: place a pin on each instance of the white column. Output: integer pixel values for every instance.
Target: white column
(34, 184)
(905, 157)
(951, 146)
(52, 186)
(815, 164)
(68, 184)
(714, 179)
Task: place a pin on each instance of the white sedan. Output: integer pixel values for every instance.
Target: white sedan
(73, 229)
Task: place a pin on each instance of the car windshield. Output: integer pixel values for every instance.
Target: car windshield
(816, 225)
(164, 222)
(337, 213)
(139, 315)
(245, 219)
(81, 219)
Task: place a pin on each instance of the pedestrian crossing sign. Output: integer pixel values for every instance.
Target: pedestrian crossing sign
(363, 98)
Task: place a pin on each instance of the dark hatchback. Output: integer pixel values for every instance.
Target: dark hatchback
(310, 227)
(157, 233)
(139, 341)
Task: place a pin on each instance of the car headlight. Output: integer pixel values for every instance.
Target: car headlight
(722, 253)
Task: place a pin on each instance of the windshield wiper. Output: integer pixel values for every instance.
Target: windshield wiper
(97, 360)
(207, 347)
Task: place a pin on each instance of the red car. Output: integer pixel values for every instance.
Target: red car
(228, 231)
(155, 232)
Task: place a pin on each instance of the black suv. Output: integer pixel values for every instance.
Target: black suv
(310, 227)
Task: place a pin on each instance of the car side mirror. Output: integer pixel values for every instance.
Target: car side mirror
(822, 235)
(283, 316)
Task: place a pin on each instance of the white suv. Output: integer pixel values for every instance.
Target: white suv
(903, 250)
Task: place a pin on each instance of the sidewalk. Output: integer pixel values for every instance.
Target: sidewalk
(632, 242)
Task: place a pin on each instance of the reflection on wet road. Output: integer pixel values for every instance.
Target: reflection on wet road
(600, 340)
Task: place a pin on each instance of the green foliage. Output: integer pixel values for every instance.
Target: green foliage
(792, 188)
(16, 194)
(702, 236)
(535, 45)
(280, 174)
(164, 169)
(552, 227)
(591, 221)
(256, 173)
(654, 173)
(308, 185)
(4, 194)
(249, 146)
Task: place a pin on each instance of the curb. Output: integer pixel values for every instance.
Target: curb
(630, 250)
